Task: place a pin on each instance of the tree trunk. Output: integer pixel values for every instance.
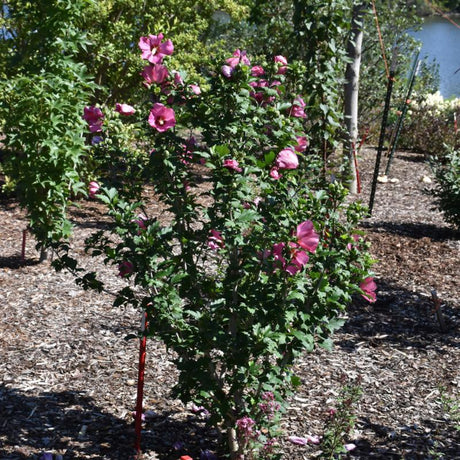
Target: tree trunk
(352, 88)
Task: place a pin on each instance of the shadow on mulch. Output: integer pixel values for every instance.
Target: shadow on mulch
(414, 230)
(400, 317)
(16, 262)
(390, 442)
(68, 423)
(60, 422)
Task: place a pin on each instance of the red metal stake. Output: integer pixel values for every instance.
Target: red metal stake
(140, 385)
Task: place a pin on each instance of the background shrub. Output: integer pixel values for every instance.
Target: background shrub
(447, 192)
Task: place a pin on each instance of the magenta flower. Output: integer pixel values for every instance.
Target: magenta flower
(274, 173)
(349, 447)
(153, 49)
(298, 261)
(156, 73)
(307, 238)
(195, 89)
(237, 58)
(161, 118)
(287, 159)
(178, 80)
(277, 253)
(230, 163)
(93, 188)
(368, 286)
(124, 109)
(245, 425)
(303, 441)
(299, 258)
(257, 71)
(282, 64)
(297, 108)
(269, 406)
(356, 238)
(216, 241)
(302, 144)
(92, 114)
(227, 71)
(94, 117)
(125, 269)
(141, 222)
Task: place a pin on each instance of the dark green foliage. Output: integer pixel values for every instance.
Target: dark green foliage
(447, 192)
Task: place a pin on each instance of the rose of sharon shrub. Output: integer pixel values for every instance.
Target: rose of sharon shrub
(250, 270)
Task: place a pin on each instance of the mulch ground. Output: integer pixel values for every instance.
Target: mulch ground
(68, 376)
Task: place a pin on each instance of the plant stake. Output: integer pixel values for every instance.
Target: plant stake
(381, 140)
(23, 248)
(140, 385)
(437, 310)
(414, 72)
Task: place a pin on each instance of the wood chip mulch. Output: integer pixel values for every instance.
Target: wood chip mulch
(68, 376)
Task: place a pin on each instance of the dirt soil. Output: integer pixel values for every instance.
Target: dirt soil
(68, 376)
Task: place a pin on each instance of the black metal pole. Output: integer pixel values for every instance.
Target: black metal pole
(403, 113)
(381, 140)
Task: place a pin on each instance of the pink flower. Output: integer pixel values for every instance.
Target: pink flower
(161, 118)
(282, 68)
(230, 163)
(124, 109)
(274, 173)
(178, 80)
(238, 57)
(303, 441)
(93, 188)
(156, 73)
(153, 49)
(281, 60)
(125, 269)
(356, 238)
(91, 114)
(297, 108)
(141, 222)
(307, 238)
(277, 253)
(195, 89)
(287, 159)
(302, 144)
(245, 425)
(94, 117)
(349, 447)
(368, 286)
(215, 241)
(299, 258)
(257, 71)
(227, 71)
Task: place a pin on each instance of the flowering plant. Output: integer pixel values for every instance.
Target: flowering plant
(431, 125)
(256, 254)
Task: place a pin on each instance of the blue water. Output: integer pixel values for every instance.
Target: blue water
(441, 42)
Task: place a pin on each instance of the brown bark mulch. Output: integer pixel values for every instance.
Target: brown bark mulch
(68, 376)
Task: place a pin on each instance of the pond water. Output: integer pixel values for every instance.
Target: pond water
(441, 41)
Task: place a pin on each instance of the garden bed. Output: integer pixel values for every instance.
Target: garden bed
(68, 377)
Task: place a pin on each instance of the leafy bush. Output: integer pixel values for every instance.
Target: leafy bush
(447, 192)
(44, 148)
(430, 125)
(242, 273)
